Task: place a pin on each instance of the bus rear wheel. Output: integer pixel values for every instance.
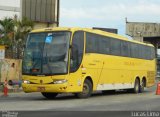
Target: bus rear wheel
(136, 88)
(50, 95)
(87, 90)
(142, 86)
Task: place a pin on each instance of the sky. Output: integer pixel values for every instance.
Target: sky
(108, 13)
(101, 13)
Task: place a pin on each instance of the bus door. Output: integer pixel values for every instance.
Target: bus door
(76, 57)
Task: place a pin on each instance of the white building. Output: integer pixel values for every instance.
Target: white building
(8, 8)
(45, 13)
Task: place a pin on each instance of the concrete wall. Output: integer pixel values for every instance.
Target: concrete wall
(10, 69)
(38, 25)
(138, 30)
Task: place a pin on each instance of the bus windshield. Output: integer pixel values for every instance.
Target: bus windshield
(46, 53)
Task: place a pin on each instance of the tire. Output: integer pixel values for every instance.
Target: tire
(50, 95)
(87, 90)
(136, 88)
(142, 86)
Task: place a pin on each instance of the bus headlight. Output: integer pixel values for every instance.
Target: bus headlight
(26, 82)
(60, 81)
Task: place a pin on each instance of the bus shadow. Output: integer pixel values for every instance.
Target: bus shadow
(67, 97)
(119, 92)
(63, 97)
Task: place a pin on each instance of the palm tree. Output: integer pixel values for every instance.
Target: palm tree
(7, 34)
(6, 31)
(22, 28)
(13, 33)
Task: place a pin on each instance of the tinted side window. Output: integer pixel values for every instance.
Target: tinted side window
(144, 52)
(125, 49)
(115, 47)
(77, 50)
(91, 43)
(141, 51)
(148, 53)
(134, 50)
(152, 53)
(104, 45)
(97, 44)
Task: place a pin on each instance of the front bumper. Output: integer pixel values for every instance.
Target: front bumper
(55, 88)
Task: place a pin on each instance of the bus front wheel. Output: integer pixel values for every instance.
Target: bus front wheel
(87, 90)
(50, 95)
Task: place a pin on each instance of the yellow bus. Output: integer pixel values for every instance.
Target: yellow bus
(81, 60)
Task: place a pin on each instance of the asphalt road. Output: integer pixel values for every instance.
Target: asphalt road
(119, 101)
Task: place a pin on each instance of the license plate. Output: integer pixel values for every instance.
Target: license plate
(41, 89)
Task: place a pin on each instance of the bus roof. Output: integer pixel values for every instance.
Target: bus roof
(96, 31)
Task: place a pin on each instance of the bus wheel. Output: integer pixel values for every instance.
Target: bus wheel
(136, 86)
(87, 90)
(142, 86)
(50, 95)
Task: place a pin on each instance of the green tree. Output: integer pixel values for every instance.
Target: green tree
(6, 31)
(22, 28)
(13, 33)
